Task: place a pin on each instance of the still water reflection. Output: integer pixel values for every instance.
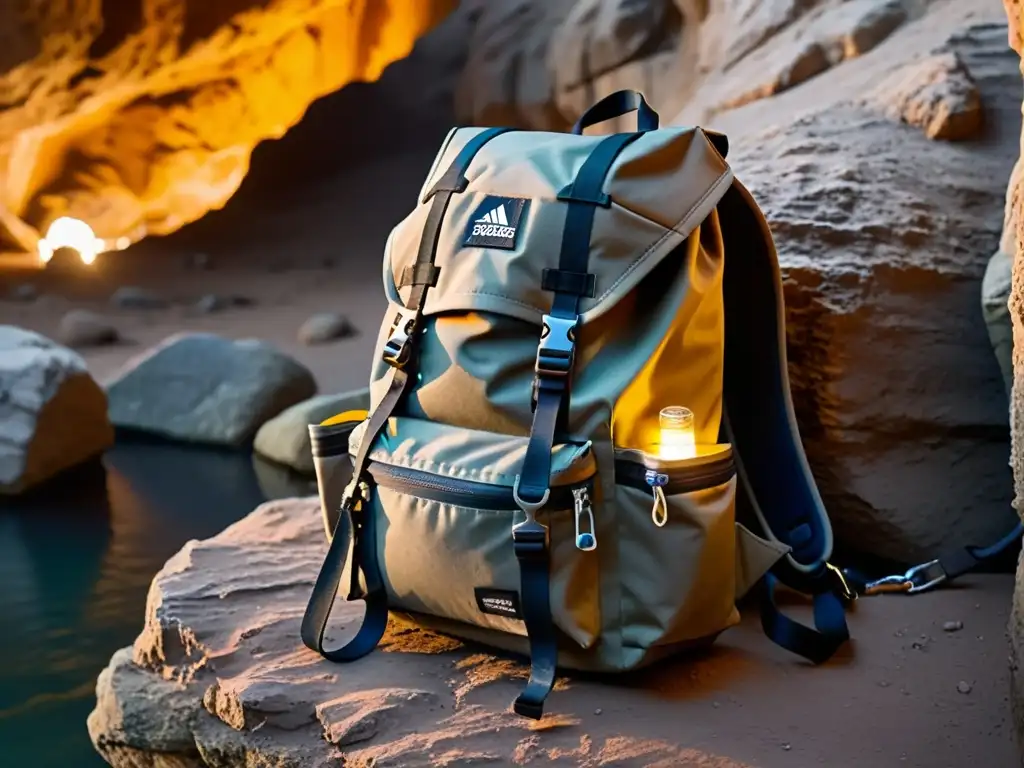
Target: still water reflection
(76, 561)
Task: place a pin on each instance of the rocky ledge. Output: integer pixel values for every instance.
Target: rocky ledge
(219, 678)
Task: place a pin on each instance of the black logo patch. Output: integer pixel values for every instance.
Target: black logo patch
(496, 223)
(498, 602)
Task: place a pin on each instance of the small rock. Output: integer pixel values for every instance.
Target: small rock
(132, 297)
(964, 687)
(213, 302)
(285, 438)
(24, 292)
(952, 626)
(82, 328)
(324, 327)
(787, 747)
(597, 711)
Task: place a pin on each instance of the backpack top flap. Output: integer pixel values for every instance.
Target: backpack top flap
(504, 230)
(777, 483)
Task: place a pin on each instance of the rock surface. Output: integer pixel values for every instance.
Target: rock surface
(207, 389)
(1013, 246)
(218, 677)
(53, 415)
(285, 438)
(937, 94)
(141, 117)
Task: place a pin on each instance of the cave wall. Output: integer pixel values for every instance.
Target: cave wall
(139, 116)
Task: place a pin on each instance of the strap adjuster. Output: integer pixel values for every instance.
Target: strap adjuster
(530, 540)
(398, 347)
(557, 348)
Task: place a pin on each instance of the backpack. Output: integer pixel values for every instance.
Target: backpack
(580, 445)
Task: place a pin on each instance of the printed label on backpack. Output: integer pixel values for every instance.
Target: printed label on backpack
(496, 223)
(498, 602)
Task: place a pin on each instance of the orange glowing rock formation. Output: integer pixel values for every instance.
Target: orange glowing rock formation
(139, 116)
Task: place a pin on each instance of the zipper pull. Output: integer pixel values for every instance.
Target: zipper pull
(586, 541)
(658, 481)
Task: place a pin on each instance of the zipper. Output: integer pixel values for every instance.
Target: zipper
(465, 493)
(683, 480)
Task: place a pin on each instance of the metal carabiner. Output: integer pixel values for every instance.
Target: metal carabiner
(920, 578)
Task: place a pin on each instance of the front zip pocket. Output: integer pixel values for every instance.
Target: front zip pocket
(677, 543)
(445, 506)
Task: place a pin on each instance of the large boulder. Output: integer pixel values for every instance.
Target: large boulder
(139, 117)
(878, 138)
(53, 416)
(218, 677)
(883, 237)
(203, 388)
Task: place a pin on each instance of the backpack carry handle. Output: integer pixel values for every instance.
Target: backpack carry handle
(616, 105)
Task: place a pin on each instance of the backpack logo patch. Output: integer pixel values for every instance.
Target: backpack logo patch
(498, 602)
(496, 223)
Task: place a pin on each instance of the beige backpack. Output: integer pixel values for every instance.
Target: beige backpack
(580, 377)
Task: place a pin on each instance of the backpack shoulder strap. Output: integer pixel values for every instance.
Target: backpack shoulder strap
(779, 497)
(399, 352)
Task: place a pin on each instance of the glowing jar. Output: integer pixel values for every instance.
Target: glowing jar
(677, 436)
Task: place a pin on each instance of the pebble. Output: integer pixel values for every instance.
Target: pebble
(952, 626)
(132, 297)
(82, 328)
(787, 747)
(24, 292)
(597, 711)
(213, 302)
(324, 327)
(964, 687)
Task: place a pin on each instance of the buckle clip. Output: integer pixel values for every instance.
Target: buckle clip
(557, 349)
(398, 347)
(846, 592)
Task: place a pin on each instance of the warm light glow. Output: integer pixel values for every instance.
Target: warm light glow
(67, 232)
(677, 435)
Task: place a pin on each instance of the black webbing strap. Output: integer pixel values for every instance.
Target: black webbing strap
(353, 519)
(555, 357)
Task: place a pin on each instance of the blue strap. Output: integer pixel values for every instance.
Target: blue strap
(966, 559)
(555, 358)
(360, 522)
(818, 644)
(617, 104)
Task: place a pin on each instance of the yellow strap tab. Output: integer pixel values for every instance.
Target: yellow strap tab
(346, 416)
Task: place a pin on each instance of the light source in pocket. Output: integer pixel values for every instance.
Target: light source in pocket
(677, 439)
